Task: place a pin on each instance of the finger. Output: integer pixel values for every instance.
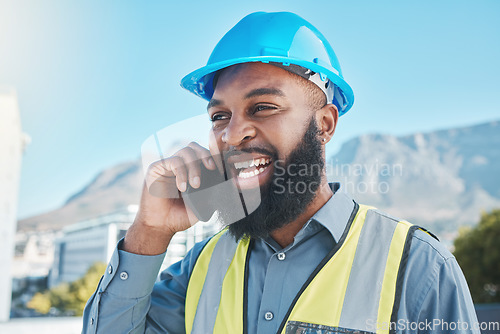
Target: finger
(160, 181)
(204, 155)
(192, 163)
(178, 167)
(156, 171)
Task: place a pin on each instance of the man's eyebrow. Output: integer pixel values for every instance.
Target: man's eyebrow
(264, 91)
(213, 103)
(256, 92)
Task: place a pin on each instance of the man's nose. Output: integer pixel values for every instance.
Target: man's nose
(238, 131)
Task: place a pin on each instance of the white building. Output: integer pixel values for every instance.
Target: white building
(12, 142)
(183, 241)
(84, 243)
(33, 255)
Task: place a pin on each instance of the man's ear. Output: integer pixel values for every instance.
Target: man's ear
(327, 118)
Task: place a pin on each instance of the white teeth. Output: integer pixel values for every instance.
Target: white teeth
(245, 175)
(243, 164)
(251, 163)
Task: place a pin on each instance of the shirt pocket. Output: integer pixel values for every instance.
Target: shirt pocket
(298, 327)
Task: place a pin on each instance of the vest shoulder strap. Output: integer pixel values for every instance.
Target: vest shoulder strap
(361, 279)
(216, 288)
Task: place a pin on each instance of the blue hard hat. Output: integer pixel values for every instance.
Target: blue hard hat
(281, 37)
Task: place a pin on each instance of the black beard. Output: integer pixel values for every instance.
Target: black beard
(292, 188)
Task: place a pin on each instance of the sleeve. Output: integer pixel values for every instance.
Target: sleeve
(127, 300)
(448, 303)
(435, 296)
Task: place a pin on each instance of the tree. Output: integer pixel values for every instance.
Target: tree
(69, 297)
(81, 289)
(478, 252)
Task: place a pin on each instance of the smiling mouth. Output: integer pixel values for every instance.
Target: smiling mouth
(252, 167)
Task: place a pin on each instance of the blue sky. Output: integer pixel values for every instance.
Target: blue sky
(95, 78)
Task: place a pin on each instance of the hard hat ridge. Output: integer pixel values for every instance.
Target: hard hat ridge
(284, 38)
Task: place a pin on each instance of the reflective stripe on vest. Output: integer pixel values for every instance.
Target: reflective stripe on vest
(355, 287)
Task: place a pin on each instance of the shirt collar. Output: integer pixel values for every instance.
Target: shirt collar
(333, 216)
(336, 212)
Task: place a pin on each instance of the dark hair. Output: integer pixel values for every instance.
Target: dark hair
(316, 97)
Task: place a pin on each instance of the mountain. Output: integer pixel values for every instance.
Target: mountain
(111, 190)
(440, 180)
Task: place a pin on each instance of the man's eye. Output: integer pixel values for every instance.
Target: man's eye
(218, 117)
(263, 108)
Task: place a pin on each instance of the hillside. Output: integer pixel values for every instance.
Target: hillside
(440, 180)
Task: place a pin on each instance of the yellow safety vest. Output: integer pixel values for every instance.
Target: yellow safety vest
(354, 288)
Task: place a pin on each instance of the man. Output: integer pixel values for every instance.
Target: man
(308, 259)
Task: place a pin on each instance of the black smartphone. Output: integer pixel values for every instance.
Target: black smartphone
(204, 201)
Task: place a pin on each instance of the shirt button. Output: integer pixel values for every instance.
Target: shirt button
(123, 275)
(281, 256)
(91, 321)
(269, 316)
(110, 270)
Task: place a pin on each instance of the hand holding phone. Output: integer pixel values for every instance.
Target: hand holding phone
(166, 180)
(183, 189)
(204, 189)
(162, 211)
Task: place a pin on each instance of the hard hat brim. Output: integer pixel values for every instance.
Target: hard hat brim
(199, 82)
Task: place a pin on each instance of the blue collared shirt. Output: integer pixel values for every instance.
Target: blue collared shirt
(128, 300)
